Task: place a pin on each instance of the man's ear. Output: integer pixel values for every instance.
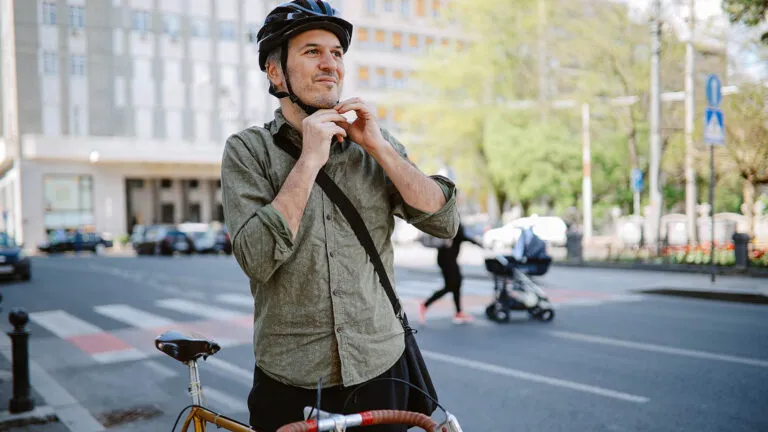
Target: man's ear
(274, 74)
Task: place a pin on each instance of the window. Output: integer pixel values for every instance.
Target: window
(50, 63)
(362, 36)
(446, 42)
(171, 25)
(381, 78)
(76, 17)
(380, 36)
(77, 65)
(435, 8)
(49, 13)
(398, 79)
(460, 45)
(430, 41)
(389, 5)
(370, 6)
(199, 27)
(405, 8)
(67, 201)
(363, 76)
(398, 115)
(193, 184)
(381, 114)
(141, 21)
(397, 41)
(166, 213)
(420, 8)
(227, 31)
(413, 42)
(194, 212)
(166, 183)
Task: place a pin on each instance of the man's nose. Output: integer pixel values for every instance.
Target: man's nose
(327, 62)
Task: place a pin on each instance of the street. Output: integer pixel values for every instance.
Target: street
(611, 360)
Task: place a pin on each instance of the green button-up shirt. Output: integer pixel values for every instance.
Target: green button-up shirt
(319, 308)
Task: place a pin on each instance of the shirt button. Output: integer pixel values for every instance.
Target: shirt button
(328, 216)
(331, 254)
(335, 292)
(338, 329)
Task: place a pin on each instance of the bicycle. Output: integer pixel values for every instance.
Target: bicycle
(189, 349)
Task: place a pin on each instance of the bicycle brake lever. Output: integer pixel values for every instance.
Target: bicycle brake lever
(451, 424)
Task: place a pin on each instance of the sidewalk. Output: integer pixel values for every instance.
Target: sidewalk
(416, 258)
(41, 419)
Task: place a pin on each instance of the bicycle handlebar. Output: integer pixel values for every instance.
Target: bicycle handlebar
(366, 418)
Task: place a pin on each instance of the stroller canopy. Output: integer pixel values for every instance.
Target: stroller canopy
(529, 246)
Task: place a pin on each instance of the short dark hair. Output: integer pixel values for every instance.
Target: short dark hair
(276, 56)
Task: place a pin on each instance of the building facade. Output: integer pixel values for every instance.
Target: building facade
(121, 107)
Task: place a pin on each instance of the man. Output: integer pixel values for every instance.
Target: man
(320, 312)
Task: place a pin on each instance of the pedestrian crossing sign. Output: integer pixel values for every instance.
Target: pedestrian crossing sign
(714, 132)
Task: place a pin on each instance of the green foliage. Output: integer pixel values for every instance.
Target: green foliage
(748, 12)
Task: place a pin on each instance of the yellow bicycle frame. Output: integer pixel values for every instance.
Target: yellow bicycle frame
(200, 417)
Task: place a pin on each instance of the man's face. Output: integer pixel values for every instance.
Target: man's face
(316, 68)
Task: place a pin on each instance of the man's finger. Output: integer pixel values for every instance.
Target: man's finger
(354, 106)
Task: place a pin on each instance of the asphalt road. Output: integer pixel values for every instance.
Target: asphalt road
(611, 360)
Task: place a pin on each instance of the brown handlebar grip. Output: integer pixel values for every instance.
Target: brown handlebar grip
(377, 417)
(409, 418)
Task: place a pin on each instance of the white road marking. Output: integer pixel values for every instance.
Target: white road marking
(236, 299)
(224, 402)
(119, 356)
(514, 373)
(231, 369)
(132, 316)
(63, 324)
(660, 348)
(199, 309)
(161, 370)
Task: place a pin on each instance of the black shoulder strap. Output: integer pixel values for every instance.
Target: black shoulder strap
(355, 221)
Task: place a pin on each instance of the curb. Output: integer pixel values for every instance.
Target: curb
(670, 268)
(38, 416)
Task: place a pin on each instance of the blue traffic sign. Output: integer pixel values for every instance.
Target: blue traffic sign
(714, 94)
(714, 127)
(637, 180)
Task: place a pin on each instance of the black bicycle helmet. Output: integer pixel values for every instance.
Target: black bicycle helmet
(288, 20)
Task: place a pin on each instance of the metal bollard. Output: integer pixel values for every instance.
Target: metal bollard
(21, 400)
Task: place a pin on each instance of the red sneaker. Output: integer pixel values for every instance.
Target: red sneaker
(422, 313)
(461, 318)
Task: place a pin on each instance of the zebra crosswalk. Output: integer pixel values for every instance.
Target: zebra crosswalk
(127, 331)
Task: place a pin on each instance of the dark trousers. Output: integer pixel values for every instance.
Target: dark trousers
(452, 277)
(273, 404)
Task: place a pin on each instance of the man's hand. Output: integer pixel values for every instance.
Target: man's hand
(364, 130)
(317, 132)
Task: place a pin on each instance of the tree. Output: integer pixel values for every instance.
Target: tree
(748, 12)
(746, 125)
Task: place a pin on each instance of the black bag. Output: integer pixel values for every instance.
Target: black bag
(418, 375)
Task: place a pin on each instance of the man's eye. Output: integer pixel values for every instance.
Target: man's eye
(338, 54)
(313, 51)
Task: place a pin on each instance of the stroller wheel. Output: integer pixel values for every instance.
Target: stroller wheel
(496, 312)
(546, 315)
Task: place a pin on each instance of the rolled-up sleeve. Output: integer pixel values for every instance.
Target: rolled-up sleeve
(261, 237)
(443, 223)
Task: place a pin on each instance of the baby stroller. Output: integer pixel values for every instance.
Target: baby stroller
(512, 288)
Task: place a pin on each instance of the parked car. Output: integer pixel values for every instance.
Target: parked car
(551, 229)
(13, 261)
(164, 240)
(72, 242)
(223, 241)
